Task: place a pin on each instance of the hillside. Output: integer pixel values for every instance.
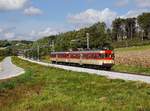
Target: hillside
(12, 47)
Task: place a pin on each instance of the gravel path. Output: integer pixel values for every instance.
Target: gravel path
(109, 74)
(8, 69)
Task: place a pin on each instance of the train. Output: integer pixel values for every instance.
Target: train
(99, 58)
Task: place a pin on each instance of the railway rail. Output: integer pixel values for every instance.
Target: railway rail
(108, 74)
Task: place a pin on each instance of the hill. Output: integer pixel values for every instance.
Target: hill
(12, 47)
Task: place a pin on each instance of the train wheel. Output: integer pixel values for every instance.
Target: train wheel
(108, 68)
(53, 62)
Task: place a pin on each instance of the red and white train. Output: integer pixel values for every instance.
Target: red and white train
(101, 58)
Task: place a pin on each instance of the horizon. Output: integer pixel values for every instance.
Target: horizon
(32, 20)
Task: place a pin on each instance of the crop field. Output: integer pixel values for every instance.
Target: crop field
(50, 89)
(135, 58)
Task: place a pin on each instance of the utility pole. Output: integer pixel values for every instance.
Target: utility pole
(88, 40)
(131, 32)
(53, 46)
(142, 34)
(38, 52)
(32, 53)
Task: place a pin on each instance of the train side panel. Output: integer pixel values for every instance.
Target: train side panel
(100, 58)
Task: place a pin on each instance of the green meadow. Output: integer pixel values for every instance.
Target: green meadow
(50, 89)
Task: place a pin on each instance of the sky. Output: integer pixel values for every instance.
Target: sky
(34, 19)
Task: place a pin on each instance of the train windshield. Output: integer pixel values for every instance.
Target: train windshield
(106, 56)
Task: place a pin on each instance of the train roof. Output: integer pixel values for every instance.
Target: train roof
(97, 51)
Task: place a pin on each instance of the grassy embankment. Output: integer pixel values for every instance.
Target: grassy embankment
(50, 89)
(1, 58)
(46, 59)
(133, 60)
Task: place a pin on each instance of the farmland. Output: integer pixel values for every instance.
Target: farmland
(134, 60)
(51, 89)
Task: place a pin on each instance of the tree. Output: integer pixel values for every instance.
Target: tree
(144, 23)
(118, 27)
(130, 27)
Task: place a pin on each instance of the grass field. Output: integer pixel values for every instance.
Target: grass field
(45, 59)
(1, 58)
(135, 48)
(133, 60)
(50, 89)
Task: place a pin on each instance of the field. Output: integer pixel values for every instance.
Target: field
(45, 59)
(1, 58)
(133, 60)
(50, 89)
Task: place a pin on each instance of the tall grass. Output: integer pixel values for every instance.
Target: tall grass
(50, 89)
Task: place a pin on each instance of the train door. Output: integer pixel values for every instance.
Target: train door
(81, 58)
(56, 58)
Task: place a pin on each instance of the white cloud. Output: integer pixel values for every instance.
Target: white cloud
(11, 4)
(46, 32)
(31, 11)
(1, 30)
(137, 3)
(91, 16)
(121, 3)
(134, 13)
(143, 3)
(9, 35)
(36, 34)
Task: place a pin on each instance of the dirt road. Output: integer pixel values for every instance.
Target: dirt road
(9, 70)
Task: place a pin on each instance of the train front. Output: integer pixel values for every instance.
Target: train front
(108, 58)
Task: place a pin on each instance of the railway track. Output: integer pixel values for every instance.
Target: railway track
(108, 74)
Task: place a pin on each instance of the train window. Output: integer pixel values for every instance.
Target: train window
(53, 55)
(94, 56)
(102, 56)
(108, 55)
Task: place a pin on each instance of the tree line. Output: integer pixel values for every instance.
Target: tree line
(124, 32)
(131, 27)
(8, 48)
